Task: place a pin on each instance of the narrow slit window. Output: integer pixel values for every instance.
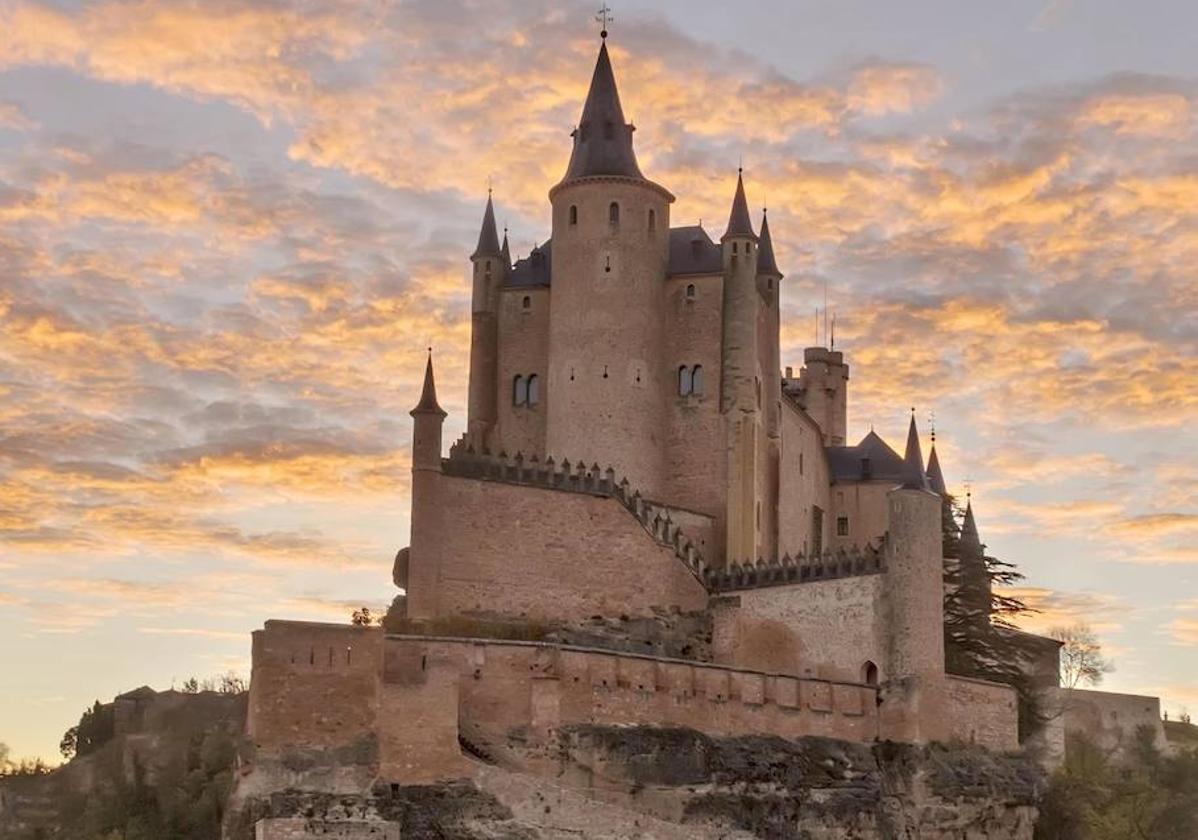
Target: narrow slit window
(697, 380)
(573, 214)
(685, 381)
(613, 214)
(526, 303)
(652, 221)
(519, 391)
(534, 389)
(690, 291)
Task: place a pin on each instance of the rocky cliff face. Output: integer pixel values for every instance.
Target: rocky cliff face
(624, 783)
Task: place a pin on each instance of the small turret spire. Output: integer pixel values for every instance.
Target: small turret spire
(488, 236)
(935, 475)
(505, 251)
(766, 263)
(739, 223)
(914, 477)
(428, 395)
(969, 531)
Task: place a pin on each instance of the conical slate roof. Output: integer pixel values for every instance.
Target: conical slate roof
(765, 250)
(505, 252)
(488, 236)
(428, 395)
(739, 223)
(935, 476)
(603, 140)
(914, 477)
(970, 542)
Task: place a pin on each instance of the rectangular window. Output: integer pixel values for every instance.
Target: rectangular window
(842, 526)
(817, 531)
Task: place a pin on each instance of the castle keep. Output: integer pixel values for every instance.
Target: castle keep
(635, 458)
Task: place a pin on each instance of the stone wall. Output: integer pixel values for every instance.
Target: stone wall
(695, 470)
(828, 629)
(1111, 719)
(498, 548)
(803, 484)
(983, 713)
(523, 350)
(864, 505)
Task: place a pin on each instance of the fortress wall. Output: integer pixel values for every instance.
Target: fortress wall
(803, 482)
(701, 529)
(1111, 719)
(825, 629)
(523, 350)
(983, 712)
(301, 828)
(542, 554)
(866, 506)
(526, 690)
(695, 466)
(313, 685)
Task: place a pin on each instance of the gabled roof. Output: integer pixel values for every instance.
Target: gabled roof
(871, 459)
(534, 270)
(603, 140)
(693, 252)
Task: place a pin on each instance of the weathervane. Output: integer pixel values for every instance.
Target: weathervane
(932, 421)
(604, 17)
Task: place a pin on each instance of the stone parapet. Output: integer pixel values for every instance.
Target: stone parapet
(576, 477)
(787, 570)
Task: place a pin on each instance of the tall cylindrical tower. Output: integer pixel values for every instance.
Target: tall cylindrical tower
(489, 268)
(606, 379)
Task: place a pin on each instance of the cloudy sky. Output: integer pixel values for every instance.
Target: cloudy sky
(229, 228)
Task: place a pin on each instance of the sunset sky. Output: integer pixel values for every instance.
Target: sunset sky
(228, 230)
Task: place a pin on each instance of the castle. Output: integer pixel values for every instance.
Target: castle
(634, 455)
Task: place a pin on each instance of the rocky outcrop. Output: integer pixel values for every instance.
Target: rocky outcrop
(620, 783)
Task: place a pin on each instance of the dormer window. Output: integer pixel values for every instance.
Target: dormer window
(734, 244)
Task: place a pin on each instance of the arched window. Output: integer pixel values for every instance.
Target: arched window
(685, 381)
(573, 214)
(697, 380)
(652, 221)
(690, 291)
(613, 214)
(527, 302)
(519, 391)
(534, 389)
(869, 673)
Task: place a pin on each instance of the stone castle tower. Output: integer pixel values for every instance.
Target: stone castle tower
(623, 341)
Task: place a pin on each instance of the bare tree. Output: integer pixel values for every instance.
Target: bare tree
(362, 617)
(1082, 662)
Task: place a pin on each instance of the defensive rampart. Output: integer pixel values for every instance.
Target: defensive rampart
(983, 712)
(399, 706)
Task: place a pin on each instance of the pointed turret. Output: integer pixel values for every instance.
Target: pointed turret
(488, 237)
(914, 476)
(602, 141)
(766, 264)
(739, 223)
(428, 394)
(935, 476)
(505, 252)
(971, 544)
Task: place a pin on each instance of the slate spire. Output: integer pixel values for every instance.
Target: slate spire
(428, 395)
(603, 140)
(935, 475)
(488, 236)
(766, 264)
(970, 542)
(914, 477)
(739, 223)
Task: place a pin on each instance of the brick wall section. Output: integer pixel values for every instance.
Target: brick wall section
(532, 688)
(541, 554)
(803, 483)
(826, 629)
(313, 684)
(303, 829)
(984, 713)
(523, 350)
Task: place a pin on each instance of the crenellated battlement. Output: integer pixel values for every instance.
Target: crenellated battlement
(830, 565)
(577, 477)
